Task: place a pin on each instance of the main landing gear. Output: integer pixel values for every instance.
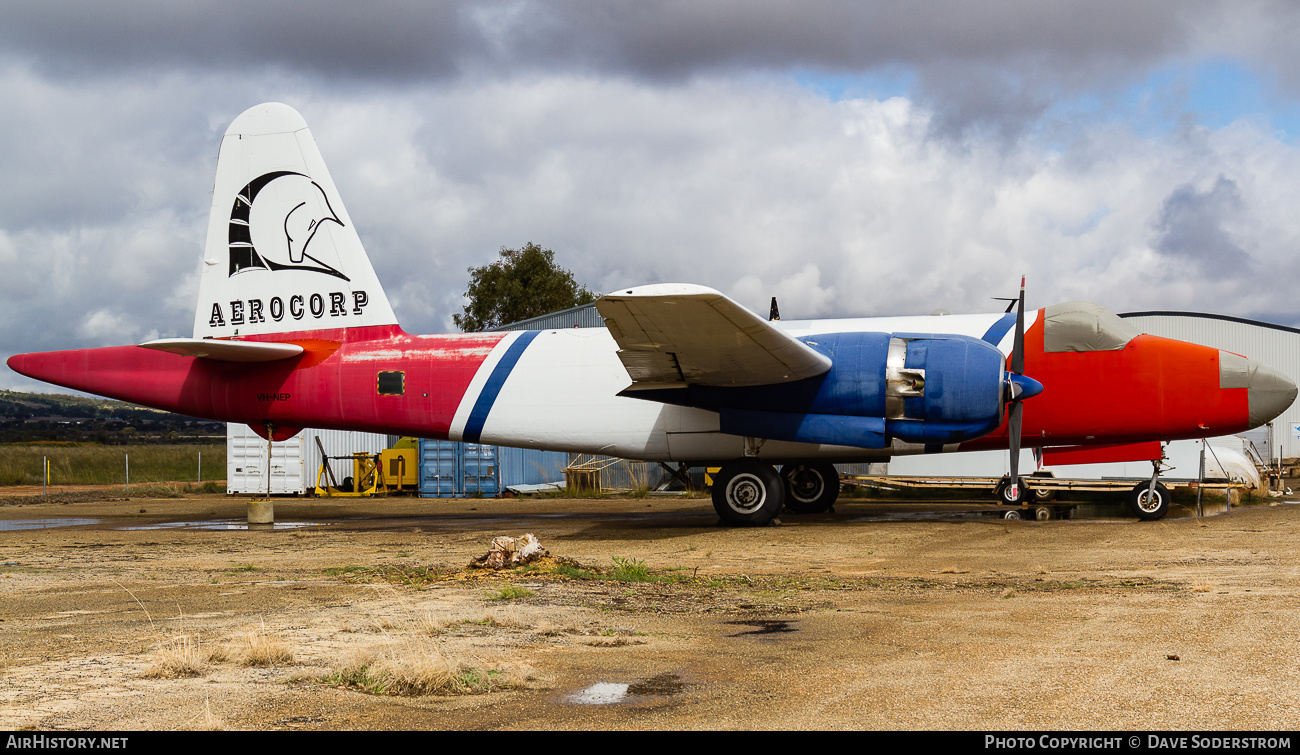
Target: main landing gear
(810, 488)
(749, 492)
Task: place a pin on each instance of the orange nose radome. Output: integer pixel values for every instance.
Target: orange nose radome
(1268, 391)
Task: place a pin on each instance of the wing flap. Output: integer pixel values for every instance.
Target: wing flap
(681, 334)
(225, 351)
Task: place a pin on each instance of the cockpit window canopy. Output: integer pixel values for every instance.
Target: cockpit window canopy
(1084, 326)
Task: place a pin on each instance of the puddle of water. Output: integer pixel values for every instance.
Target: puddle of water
(610, 693)
(763, 626)
(38, 524)
(601, 693)
(222, 524)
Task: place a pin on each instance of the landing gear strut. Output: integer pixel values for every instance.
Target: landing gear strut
(748, 492)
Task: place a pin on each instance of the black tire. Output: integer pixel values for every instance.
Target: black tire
(747, 492)
(810, 488)
(1146, 508)
(1044, 495)
(1042, 514)
(1004, 492)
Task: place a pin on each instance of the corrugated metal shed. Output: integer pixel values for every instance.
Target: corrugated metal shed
(524, 466)
(584, 316)
(1277, 346)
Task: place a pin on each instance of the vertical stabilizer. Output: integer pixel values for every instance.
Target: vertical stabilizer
(282, 255)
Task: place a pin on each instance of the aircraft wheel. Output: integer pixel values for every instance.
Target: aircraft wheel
(748, 492)
(1004, 492)
(1043, 495)
(810, 488)
(1042, 514)
(1147, 506)
(1013, 515)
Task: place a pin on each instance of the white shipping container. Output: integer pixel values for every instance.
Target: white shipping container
(246, 463)
(294, 462)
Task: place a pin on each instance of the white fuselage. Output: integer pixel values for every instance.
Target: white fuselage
(562, 394)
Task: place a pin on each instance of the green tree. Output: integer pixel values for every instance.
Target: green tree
(523, 283)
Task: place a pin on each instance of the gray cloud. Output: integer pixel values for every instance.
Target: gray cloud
(995, 65)
(1192, 226)
(658, 39)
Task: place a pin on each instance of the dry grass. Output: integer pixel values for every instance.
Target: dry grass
(1200, 585)
(547, 628)
(417, 668)
(613, 642)
(106, 465)
(179, 657)
(206, 721)
(257, 648)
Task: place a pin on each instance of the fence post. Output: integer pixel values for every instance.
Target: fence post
(45, 474)
(127, 457)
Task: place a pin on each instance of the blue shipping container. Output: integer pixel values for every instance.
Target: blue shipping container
(455, 470)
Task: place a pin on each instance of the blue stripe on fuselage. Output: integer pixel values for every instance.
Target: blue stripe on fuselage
(488, 396)
(999, 329)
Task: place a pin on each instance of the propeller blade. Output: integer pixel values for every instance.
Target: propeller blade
(1013, 431)
(1018, 348)
(1020, 388)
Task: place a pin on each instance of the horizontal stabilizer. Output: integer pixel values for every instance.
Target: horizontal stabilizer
(225, 351)
(677, 334)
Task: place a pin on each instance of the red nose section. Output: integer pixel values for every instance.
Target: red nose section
(1151, 389)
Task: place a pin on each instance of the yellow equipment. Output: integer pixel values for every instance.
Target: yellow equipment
(392, 470)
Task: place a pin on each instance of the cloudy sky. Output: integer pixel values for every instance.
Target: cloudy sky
(851, 158)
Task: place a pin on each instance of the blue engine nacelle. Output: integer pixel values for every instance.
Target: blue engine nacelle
(919, 388)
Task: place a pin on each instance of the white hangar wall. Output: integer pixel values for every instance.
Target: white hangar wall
(1277, 346)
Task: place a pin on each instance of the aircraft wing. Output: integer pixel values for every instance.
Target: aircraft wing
(671, 335)
(226, 351)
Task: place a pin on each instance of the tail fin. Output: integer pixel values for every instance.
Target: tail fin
(282, 254)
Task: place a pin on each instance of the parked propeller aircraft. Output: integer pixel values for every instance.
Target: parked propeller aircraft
(293, 330)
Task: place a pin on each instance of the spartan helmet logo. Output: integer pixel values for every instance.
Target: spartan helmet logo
(273, 222)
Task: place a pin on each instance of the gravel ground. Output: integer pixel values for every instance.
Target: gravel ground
(870, 617)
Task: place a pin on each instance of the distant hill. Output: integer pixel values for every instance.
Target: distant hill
(34, 417)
